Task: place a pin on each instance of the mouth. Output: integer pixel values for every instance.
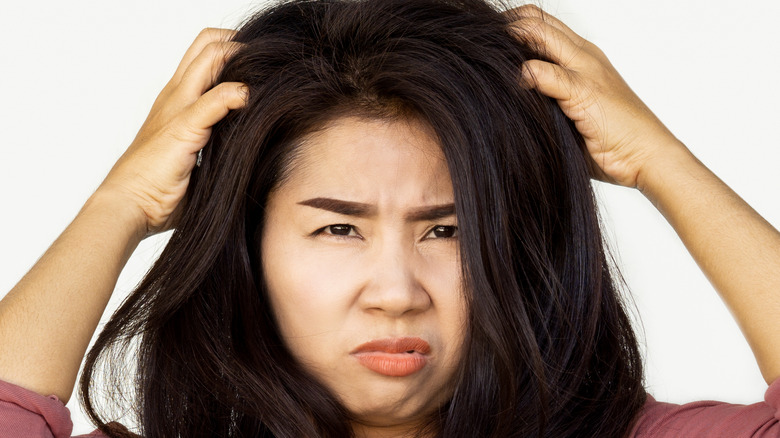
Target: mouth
(393, 357)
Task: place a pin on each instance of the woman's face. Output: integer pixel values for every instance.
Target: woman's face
(360, 257)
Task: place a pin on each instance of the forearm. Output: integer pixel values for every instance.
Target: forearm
(735, 247)
(48, 318)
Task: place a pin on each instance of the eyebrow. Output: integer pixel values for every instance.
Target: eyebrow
(358, 209)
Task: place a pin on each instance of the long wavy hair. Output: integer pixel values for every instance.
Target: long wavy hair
(550, 351)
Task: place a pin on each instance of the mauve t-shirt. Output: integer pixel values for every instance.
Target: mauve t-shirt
(24, 413)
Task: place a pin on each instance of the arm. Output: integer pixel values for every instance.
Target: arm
(48, 318)
(735, 247)
(737, 250)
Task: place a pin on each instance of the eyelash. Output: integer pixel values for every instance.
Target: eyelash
(452, 228)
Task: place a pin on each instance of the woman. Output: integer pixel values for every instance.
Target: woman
(469, 297)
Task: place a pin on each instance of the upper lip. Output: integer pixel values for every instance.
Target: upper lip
(394, 345)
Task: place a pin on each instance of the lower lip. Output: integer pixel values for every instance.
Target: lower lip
(392, 364)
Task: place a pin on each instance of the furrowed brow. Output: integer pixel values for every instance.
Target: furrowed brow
(427, 214)
(347, 208)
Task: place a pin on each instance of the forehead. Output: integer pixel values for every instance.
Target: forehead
(371, 160)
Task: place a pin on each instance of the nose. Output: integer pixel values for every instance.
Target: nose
(394, 287)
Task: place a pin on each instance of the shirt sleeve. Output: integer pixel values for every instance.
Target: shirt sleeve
(24, 413)
(711, 419)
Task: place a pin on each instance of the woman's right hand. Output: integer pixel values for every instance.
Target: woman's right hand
(153, 174)
(49, 317)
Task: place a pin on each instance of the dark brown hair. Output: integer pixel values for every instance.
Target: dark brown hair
(550, 351)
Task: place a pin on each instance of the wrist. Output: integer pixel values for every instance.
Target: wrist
(661, 169)
(119, 211)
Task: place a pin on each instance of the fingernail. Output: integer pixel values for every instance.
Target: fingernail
(244, 90)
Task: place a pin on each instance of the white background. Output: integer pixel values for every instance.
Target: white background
(78, 77)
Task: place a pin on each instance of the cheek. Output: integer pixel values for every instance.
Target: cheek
(310, 292)
(440, 272)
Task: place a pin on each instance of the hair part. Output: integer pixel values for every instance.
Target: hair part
(550, 351)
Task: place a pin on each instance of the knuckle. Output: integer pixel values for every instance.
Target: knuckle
(203, 35)
(214, 34)
(211, 48)
(597, 52)
(207, 33)
(529, 30)
(534, 65)
(218, 51)
(221, 88)
(533, 23)
(224, 92)
(539, 31)
(532, 10)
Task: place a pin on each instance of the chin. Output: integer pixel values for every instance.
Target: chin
(394, 403)
(391, 422)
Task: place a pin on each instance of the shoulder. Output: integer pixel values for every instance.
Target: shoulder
(711, 419)
(29, 414)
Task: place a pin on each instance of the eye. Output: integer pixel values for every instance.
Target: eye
(442, 232)
(339, 230)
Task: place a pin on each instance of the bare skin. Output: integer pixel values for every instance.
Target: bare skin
(47, 320)
(734, 246)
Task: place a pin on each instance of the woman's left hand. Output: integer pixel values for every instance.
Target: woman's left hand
(736, 248)
(621, 133)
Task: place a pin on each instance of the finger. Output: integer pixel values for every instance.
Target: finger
(212, 107)
(550, 79)
(548, 40)
(204, 69)
(206, 36)
(535, 12)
